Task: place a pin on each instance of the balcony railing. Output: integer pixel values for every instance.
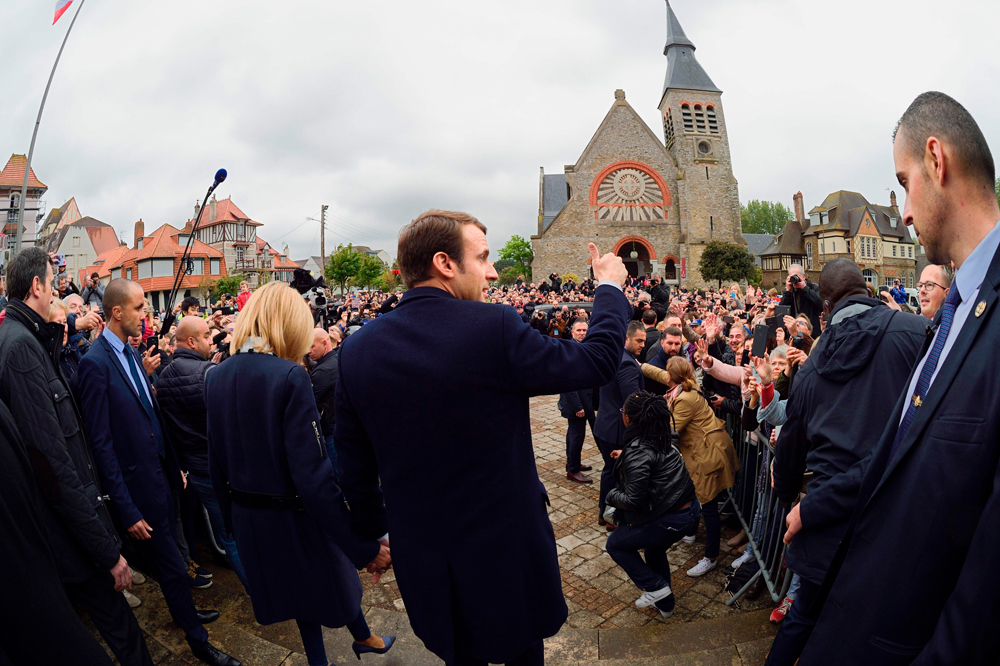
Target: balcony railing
(245, 264)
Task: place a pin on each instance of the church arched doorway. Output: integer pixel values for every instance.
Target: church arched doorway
(636, 257)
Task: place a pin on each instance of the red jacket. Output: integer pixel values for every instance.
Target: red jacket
(241, 299)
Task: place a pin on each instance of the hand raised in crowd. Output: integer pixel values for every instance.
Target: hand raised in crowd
(141, 530)
(712, 327)
(150, 363)
(763, 367)
(381, 563)
(791, 324)
(609, 267)
(701, 354)
(715, 401)
(122, 575)
(755, 392)
(796, 356)
(89, 321)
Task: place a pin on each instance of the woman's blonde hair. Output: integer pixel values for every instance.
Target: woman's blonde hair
(277, 320)
(57, 306)
(681, 373)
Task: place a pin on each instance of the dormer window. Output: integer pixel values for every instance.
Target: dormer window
(138, 244)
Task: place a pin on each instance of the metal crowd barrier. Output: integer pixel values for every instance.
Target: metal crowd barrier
(760, 512)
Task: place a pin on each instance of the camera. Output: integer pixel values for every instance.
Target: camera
(795, 279)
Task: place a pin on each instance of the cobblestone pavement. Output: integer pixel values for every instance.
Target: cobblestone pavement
(603, 620)
(598, 592)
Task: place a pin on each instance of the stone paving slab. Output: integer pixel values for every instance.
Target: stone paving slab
(686, 637)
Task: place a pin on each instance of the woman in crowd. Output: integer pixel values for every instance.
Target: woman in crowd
(654, 500)
(708, 453)
(275, 483)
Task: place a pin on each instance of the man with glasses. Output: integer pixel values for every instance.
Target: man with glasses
(935, 281)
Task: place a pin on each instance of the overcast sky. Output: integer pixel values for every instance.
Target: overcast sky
(385, 109)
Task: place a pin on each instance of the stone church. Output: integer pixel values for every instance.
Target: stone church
(655, 203)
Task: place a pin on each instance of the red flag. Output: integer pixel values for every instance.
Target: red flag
(61, 7)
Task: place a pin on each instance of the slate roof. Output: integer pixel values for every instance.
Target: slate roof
(789, 241)
(12, 175)
(683, 70)
(757, 243)
(555, 194)
(846, 209)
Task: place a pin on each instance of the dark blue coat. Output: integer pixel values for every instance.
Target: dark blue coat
(867, 354)
(572, 402)
(433, 400)
(263, 437)
(914, 580)
(628, 379)
(122, 437)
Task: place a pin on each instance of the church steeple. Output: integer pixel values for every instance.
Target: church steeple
(683, 70)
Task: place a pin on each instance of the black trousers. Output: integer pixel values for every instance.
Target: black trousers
(112, 616)
(607, 478)
(533, 656)
(576, 431)
(173, 578)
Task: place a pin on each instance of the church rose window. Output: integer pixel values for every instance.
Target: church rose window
(629, 195)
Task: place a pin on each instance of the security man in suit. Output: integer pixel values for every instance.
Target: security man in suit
(458, 446)
(132, 455)
(577, 407)
(931, 487)
(609, 429)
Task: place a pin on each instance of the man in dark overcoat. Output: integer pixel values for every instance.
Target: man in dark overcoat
(456, 449)
(931, 486)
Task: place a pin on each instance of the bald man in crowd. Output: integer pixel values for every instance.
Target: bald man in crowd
(181, 392)
(326, 356)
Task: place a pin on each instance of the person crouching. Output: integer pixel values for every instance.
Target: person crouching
(655, 499)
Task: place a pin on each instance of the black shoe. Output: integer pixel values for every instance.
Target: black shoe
(207, 616)
(210, 654)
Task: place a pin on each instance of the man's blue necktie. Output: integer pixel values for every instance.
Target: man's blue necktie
(139, 386)
(924, 381)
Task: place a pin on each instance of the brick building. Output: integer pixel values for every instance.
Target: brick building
(847, 226)
(656, 203)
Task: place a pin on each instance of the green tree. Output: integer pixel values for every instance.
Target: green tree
(369, 270)
(726, 262)
(228, 284)
(509, 275)
(342, 266)
(763, 217)
(517, 251)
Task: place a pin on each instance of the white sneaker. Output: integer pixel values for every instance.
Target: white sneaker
(703, 567)
(137, 577)
(745, 557)
(689, 539)
(649, 598)
(133, 601)
(665, 614)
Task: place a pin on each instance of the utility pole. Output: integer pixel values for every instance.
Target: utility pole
(322, 235)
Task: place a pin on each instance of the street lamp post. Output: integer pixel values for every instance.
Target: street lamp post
(34, 135)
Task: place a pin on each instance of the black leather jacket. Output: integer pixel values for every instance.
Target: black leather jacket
(325, 374)
(652, 480)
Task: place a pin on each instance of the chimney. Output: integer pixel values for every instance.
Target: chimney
(188, 227)
(211, 209)
(140, 231)
(892, 198)
(196, 206)
(800, 211)
(285, 252)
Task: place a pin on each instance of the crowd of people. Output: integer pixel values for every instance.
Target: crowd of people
(118, 422)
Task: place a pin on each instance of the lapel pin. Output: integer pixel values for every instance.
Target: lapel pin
(981, 308)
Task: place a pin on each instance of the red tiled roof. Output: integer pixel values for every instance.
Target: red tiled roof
(162, 243)
(109, 258)
(12, 175)
(103, 238)
(281, 261)
(225, 211)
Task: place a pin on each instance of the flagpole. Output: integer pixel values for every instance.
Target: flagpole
(34, 135)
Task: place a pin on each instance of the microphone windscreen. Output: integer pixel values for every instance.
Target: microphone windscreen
(220, 176)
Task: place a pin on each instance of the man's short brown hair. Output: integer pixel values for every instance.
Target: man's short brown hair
(432, 232)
